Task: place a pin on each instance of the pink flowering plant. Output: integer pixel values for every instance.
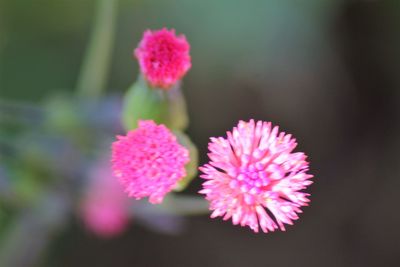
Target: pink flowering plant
(135, 169)
(253, 178)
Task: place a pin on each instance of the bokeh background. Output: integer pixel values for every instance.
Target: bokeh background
(325, 70)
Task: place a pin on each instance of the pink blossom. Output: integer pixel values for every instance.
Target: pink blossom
(149, 161)
(163, 57)
(254, 178)
(105, 206)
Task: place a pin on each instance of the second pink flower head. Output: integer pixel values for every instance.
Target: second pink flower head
(149, 161)
(163, 57)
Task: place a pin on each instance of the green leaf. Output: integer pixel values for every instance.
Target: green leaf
(191, 167)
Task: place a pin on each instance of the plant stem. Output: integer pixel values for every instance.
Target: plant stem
(186, 205)
(94, 71)
(175, 205)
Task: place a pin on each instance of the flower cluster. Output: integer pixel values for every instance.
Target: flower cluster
(149, 161)
(254, 170)
(163, 57)
(253, 178)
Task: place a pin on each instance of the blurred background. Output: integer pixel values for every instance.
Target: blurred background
(324, 70)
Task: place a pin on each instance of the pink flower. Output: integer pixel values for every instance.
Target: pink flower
(105, 207)
(163, 57)
(254, 178)
(149, 161)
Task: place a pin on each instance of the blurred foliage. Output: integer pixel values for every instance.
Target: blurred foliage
(46, 45)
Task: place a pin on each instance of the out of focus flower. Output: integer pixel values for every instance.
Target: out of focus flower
(149, 161)
(163, 57)
(105, 206)
(254, 178)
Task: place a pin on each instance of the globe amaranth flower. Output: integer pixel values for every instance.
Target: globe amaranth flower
(149, 161)
(105, 207)
(255, 178)
(163, 57)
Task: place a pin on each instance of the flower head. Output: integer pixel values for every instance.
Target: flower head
(163, 57)
(254, 178)
(149, 161)
(104, 208)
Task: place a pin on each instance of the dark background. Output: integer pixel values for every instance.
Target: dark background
(326, 71)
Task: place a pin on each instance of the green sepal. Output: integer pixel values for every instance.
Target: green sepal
(191, 167)
(143, 103)
(177, 116)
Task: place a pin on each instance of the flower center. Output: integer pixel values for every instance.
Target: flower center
(254, 179)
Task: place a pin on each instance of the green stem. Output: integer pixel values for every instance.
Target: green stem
(93, 74)
(185, 205)
(173, 204)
